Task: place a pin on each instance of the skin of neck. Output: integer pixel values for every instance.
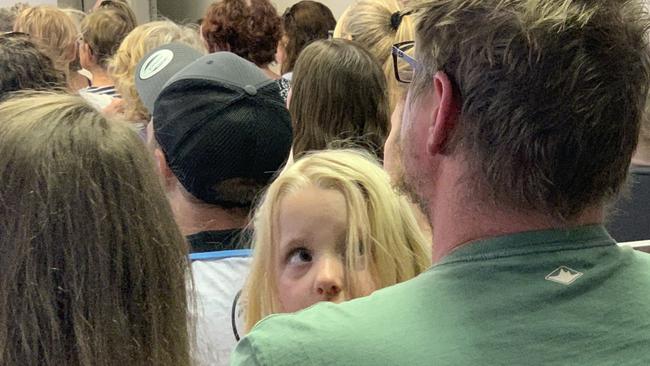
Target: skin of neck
(456, 221)
(193, 216)
(100, 76)
(268, 72)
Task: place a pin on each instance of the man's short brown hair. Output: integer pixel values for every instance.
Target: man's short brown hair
(551, 91)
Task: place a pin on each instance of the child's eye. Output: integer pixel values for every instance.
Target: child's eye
(299, 256)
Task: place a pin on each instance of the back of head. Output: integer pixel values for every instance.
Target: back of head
(25, 67)
(338, 93)
(122, 6)
(303, 23)
(103, 31)
(380, 224)
(248, 28)
(77, 17)
(377, 25)
(220, 122)
(141, 40)
(93, 265)
(54, 32)
(551, 93)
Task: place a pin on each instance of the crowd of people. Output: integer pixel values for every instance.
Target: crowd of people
(418, 182)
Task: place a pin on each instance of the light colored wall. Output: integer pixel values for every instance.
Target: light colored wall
(191, 10)
(141, 8)
(8, 3)
(75, 4)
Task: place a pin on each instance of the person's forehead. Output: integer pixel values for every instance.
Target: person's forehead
(311, 211)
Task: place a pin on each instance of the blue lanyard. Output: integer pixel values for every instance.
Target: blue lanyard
(221, 254)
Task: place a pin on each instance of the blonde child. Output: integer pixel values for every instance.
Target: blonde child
(330, 228)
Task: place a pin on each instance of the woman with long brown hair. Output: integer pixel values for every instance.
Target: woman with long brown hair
(338, 99)
(304, 22)
(93, 267)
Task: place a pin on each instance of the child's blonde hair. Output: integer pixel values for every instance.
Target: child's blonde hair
(369, 22)
(133, 48)
(381, 225)
(54, 32)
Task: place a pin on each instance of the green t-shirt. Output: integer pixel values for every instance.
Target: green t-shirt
(555, 297)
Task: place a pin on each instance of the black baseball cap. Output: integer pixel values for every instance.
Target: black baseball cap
(216, 117)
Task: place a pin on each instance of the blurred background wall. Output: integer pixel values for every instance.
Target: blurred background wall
(177, 10)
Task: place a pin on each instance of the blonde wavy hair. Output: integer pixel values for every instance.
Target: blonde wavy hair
(368, 22)
(381, 224)
(54, 32)
(141, 40)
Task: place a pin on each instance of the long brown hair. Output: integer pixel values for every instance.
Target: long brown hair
(304, 22)
(93, 267)
(338, 94)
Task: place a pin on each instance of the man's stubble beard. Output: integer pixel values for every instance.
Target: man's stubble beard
(408, 183)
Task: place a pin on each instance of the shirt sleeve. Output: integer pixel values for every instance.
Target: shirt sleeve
(245, 354)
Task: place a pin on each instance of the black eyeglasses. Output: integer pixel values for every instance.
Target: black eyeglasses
(403, 64)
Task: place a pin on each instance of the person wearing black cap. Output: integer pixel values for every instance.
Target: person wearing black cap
(219, 133)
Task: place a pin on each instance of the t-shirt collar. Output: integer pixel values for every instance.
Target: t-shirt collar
(530, 242)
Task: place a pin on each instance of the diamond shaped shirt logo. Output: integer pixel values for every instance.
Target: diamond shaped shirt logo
(563, 275)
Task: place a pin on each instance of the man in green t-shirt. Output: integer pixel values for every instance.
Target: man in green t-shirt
(517, 131)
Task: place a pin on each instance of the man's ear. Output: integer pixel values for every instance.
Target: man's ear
(166, 174)
(88, 52)
(91, 55)
(444, 116)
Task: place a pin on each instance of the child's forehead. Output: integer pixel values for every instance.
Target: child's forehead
(312, 202)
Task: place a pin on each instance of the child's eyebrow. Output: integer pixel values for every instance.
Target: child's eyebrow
(294, 242)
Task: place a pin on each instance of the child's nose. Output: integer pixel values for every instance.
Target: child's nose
(329, 279)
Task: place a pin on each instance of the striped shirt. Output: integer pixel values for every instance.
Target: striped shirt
(99, 97)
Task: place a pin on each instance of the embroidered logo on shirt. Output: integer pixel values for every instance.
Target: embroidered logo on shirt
(564, 275)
